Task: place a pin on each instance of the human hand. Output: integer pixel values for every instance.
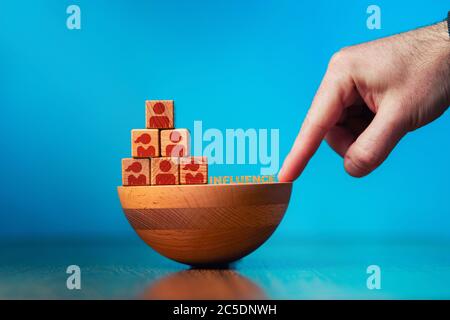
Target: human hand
(371, 96)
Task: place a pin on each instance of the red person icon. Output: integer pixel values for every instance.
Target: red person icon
(134, 180)
(176, 148)
(145, 152)
(165, 178)
(159, 120)
(191, 178)
(194, 179)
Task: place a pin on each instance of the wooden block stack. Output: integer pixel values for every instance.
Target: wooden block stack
(160, 153)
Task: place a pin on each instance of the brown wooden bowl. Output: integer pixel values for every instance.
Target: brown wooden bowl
(205, 224)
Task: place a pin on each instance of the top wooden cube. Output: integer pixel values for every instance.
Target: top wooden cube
(159, 114)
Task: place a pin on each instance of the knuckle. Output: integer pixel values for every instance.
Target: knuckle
(364, 160)
(340, 58)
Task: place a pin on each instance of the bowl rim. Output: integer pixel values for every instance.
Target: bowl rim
(209, 185)
(204, 195)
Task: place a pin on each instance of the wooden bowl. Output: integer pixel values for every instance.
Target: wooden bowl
(205, 224)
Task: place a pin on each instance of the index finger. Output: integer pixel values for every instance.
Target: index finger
(336, 92)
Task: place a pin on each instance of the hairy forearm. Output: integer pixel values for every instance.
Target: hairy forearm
(439, 34)
(432, 41)
(431, 48)
(440, 31)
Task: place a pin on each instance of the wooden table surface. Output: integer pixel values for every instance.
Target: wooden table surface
(286, 267)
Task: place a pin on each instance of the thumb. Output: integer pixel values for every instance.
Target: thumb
(373, 146)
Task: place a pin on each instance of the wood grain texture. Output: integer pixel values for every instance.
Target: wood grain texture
(135, 172)
(205, 196)
(204, 218)
(193, 170)
(175, 143)
(165, 171)
(159, 114)
(144, 143)
(205, 224)
(206, 247)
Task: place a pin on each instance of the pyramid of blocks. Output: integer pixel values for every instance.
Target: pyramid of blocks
(160, 153)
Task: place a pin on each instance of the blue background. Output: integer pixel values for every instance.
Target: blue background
(69, 99)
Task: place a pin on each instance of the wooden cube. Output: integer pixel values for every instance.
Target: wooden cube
(159, 114)
(193, 170)
(135, 172)
(144, 143)
(175, 143)
(165, 171)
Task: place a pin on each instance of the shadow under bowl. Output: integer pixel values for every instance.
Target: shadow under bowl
(206, 224)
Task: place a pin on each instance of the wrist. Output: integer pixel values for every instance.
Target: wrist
(440, 33)
(439, 48)
(446, 58)
(440, 42)
(432, 41)
(448, 23)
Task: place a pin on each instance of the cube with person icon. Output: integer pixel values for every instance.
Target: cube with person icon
(135, 172)
(175, 143)
(164, 171)
(144, 143)
(193, 170)
(160, 153)
(159, 114)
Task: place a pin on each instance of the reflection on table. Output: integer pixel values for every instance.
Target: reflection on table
(195, 284)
